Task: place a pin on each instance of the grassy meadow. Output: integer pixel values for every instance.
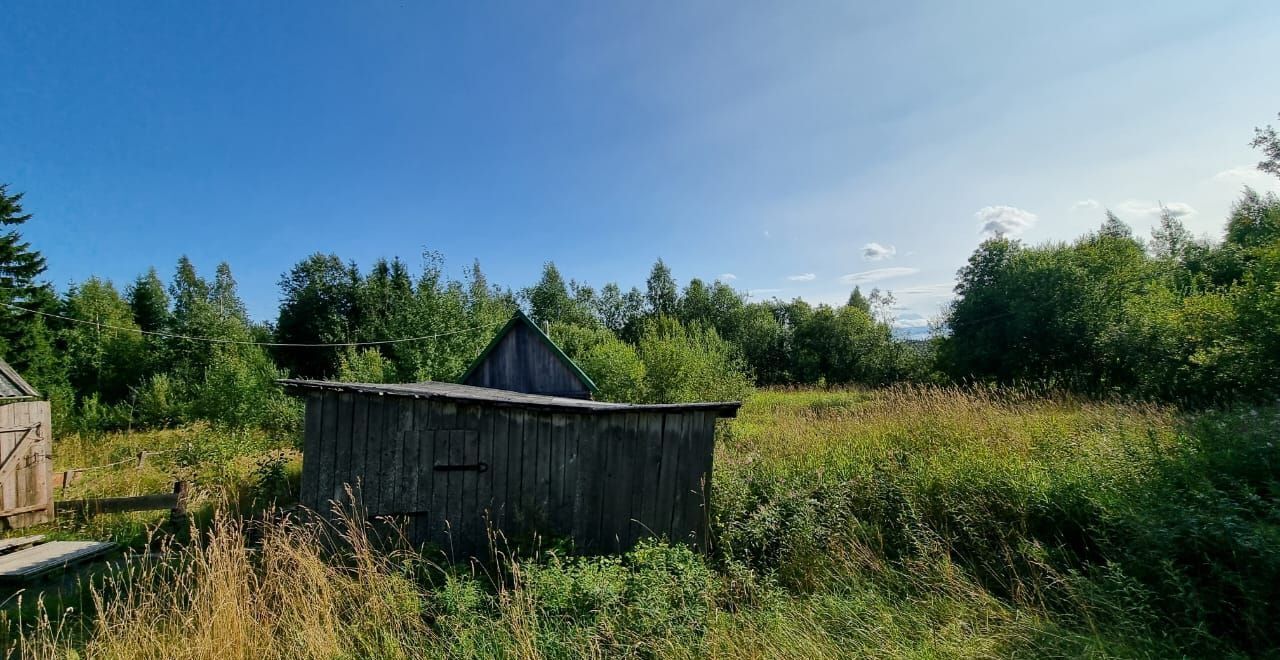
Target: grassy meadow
(902, 522)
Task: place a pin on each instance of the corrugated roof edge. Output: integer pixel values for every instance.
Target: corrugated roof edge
(470, 393)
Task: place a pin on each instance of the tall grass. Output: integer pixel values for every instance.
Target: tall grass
(909, 522)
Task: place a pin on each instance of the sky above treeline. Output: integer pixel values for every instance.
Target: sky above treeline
(790, 149)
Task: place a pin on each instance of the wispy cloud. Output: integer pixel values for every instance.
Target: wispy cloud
(1086, 205)
(1002, 220)
(756, 293)
(877, 252)
(727, 277)
(1242, 174)
(767, 234)
(926, 290)
(1145, 209)
(877, 274)
(803, 277)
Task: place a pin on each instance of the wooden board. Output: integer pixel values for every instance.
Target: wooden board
(10, 545)
(26, 465)
(37, 560)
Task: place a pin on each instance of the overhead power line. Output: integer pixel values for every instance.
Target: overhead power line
(239, 342)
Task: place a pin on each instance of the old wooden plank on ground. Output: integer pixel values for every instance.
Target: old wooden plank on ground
(37, 560)
(18, 543)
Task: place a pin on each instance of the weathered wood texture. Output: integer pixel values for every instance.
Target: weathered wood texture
(522, 361)
(39, 559)
(456, 472)
(26, 482)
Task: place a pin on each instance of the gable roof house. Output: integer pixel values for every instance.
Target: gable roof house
(522, 358)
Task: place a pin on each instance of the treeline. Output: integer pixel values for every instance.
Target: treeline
(1175, 317)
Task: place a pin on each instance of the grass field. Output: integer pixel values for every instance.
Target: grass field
(890, 523)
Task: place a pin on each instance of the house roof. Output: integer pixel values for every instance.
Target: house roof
(521, 318)
(471, 394)
(12, 386)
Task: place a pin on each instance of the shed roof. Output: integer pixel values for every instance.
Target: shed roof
(472, 394)
(12, 386)
(519, 318)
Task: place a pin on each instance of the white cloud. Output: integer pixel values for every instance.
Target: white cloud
(1145, 209)
(727, 277)
(1086, 205)
(803, 277)
(877, 274)
(1001, 220)
(1247, 175)
(755, 293)
(916, 322)
(877, 252)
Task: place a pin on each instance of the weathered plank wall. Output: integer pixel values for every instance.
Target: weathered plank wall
(454, 472)
(522, 362)
(26, 464)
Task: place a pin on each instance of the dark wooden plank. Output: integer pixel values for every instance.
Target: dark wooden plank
(342, 447)
(421, 467)
(375, 421)
(453, 506)
(498, 469)
(632, 489)
(485, 502)
(389, 478)
(693, 461)
(616, 494)
(311, 450)
(708, 445)
(561, 491)
(357, 474)
(406, 410)
(592, 452)
(468, 507)
(570, 474)
(119, 504)
(672, 432)
(527, 514)
(650, 472)
(328, 453)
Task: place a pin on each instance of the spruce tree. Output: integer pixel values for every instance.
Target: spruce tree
(19, 267)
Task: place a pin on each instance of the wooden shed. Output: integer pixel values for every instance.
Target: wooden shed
(522, 358)
(455, 461)
(26, 447)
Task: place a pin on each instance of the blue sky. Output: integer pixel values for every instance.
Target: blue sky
(769, 143)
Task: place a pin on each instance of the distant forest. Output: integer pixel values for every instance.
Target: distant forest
(1172, 317)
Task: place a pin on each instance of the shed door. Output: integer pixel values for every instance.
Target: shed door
(25, 462)
(451, 505)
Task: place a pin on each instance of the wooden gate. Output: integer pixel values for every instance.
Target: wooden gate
(26, 464)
